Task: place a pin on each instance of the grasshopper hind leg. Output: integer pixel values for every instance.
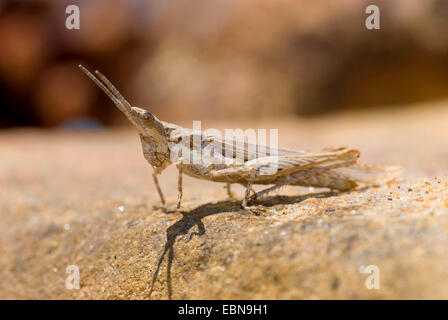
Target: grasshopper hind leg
(299, 176)
(232, 196)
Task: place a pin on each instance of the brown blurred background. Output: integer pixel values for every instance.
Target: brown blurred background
(205, 59)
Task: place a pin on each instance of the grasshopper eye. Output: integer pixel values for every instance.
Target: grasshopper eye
(142, 113)
(148, 115)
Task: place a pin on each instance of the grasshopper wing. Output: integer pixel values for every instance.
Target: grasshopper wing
(286, 169)
(243, 150)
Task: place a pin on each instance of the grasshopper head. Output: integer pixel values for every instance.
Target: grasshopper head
(153, 137)
(144, 120)
(148, 125)
(151, 130)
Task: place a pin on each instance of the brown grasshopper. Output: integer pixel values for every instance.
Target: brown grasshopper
(334, 168)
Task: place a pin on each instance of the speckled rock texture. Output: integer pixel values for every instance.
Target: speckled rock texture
(87, 199)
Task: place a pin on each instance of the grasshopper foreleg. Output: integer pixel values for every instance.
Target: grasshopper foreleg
(156, 182)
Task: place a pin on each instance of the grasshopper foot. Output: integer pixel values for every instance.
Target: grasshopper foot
(258, 210)
(158, 207)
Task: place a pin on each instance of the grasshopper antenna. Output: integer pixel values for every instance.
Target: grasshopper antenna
(110, 90)
(114, 90)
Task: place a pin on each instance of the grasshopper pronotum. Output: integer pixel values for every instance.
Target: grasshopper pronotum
(334, 168)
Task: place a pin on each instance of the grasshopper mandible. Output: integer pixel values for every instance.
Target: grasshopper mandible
(334, 168)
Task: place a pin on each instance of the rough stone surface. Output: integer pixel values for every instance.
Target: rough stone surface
(87, 199)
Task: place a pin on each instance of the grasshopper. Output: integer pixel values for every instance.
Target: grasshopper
(334, 168)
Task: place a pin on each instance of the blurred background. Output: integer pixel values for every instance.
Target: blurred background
(225, 59)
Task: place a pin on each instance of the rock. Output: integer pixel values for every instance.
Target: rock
(311, 244)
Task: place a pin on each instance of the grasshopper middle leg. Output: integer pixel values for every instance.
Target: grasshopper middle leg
(229, 192)
(179, 189)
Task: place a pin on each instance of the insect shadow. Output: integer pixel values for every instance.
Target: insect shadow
(194, 218)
